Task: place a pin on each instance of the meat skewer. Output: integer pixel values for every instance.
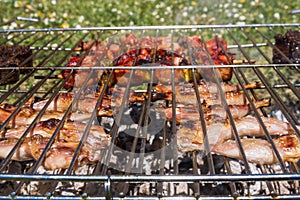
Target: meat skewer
(190, 113)
(207, 87)
(260, 151)
(59, 155)
(71, 131)
(87, 103)
(161, 51)
(209, 93)
(27, 115)
(219, 132)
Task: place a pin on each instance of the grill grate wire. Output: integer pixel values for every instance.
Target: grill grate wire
(46, 57)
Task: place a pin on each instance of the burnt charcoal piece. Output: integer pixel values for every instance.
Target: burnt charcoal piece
(14, 56)
(289, 45)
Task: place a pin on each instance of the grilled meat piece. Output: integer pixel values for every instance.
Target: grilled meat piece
(185, 94)
(94, 49)
(213, 52)
(58, 156)
(218, 132)
(26, 116)
(191, 113)
(158, 51)
(71, 131)
(209, 87)
(260, 151)
(148, 56)
(87, 103)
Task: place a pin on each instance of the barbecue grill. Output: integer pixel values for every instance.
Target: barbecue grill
(131, 167)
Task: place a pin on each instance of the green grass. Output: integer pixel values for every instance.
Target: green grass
(76, 13)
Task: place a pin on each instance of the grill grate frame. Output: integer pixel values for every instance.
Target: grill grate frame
(47, 57)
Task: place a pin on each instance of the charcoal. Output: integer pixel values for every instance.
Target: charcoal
(14, 57)
(288, 46)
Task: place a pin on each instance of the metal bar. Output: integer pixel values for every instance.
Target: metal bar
(54, 135)
(262, 125)
(25, 38)
(242, 73)
(44, 61)
(293, 121)
(201, 113)
(115, 127)
(292, 197)
(230, 118)
(234, 193)
(152, 178)
(174, 144)
(286, 81)
(130, 28)
(12, 116)
(11, 38)
(25, 78)
(168, 67)
(93, 116)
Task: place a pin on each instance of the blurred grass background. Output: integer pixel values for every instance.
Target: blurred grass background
(111, 13)
(76, 13)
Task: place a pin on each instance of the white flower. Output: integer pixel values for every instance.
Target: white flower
(13, 24)
(46, 21)
(162, 4)
(162, 19)
(205, 9)
(54, 45)
(277, 15)
(242, 18)
(169, 9)
(80, 19)
(184, 14)
(236, 15)
(261, 16)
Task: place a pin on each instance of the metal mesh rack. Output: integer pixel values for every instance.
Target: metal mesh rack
(143, 159)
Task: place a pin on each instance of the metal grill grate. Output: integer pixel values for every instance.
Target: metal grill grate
(144, 157)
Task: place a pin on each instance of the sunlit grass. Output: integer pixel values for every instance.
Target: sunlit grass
(58, 13)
